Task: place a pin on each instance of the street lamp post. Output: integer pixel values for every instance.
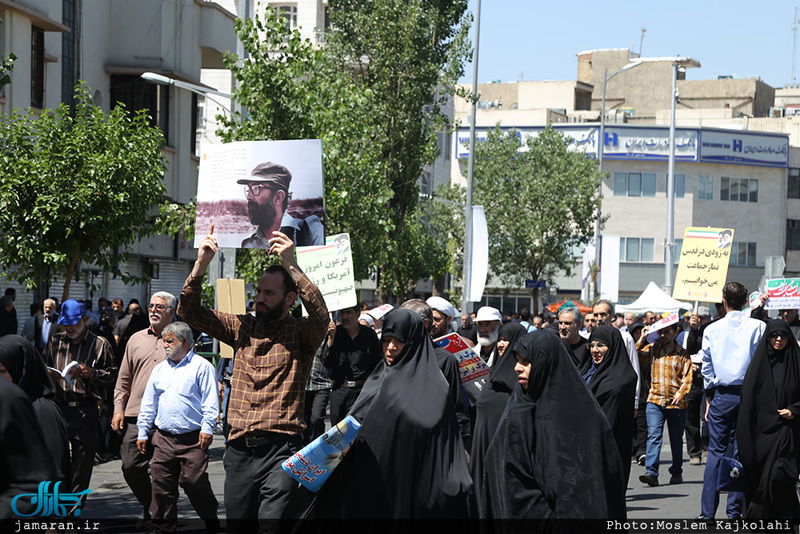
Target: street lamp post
(601, 145)
(160, 79)
(465, 305)
(669, 244)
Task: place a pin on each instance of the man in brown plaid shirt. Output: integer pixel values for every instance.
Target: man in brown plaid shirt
(273, 354)
(671, 378)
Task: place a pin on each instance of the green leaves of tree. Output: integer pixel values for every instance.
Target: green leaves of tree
(539, 202)
(75, 188)
(371, 94)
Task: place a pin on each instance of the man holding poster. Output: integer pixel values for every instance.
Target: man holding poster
(267, 193)
(273, 360)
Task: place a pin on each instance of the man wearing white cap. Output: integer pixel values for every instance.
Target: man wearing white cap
(488, 320)
(443, 313)
(366, 320)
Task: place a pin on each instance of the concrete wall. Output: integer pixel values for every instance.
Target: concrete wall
(749, 97)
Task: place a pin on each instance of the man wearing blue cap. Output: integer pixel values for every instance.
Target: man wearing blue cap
(267, 193)
(88, 362)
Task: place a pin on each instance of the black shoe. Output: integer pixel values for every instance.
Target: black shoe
(143, 519)
(676, 479)
(704, 519)
(212, 525)
(642, 459)
(649, 479)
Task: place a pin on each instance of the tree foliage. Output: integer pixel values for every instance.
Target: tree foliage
(539, 202)
(407, 54)
(371, 95)
(76, 188)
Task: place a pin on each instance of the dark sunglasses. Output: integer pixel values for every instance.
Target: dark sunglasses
(776, 335)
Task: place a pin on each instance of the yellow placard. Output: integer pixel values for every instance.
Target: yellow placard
(230, 299)
(703, 264)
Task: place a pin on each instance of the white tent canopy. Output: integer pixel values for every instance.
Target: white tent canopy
(654, 299)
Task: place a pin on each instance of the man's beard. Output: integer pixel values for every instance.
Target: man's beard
(272, 314)
(487, 340)
(262, 215)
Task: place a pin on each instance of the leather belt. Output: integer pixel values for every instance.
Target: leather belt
(75, 404)
(256, 441)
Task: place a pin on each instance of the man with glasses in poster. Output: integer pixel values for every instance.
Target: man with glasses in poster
(267, 193)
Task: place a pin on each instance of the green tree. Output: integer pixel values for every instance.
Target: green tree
(539, 203)
(76, 188)
(291, 90)
(377, 116)
(407, 54)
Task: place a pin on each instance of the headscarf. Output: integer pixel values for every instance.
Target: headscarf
(769, 445)
(26, 366)
(492, 401)
(29, 372)
(408, 460)
(614, 387)
(554, 455)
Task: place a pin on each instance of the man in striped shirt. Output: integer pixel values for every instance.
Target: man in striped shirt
(671, 379)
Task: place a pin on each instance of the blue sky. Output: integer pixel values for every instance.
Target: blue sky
(539, 39)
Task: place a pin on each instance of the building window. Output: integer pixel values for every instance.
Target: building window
(197, 120)
(69, 75)
(705, 188)
(635, 249)
(792, 234)
(137, 94)
(288, 12)
(676, 258)
(426, 183)
(738, 189)
(634, 184)
(743, 254)
(680, 185)
(37, 67)
(794, 183)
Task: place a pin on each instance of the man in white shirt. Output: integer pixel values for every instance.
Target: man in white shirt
(181, 398)
(728, 347)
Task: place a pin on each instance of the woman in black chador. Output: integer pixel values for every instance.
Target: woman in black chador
(408, 460)
(553, 455)
(22, 363)
(612, 380)
(768, 427)
(493, 398)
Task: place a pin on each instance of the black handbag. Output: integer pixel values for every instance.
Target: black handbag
(731, 475)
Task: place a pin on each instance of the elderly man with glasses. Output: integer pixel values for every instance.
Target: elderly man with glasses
(144, 351)
(267, 193)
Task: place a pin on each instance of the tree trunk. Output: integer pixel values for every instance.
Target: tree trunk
(71, 272)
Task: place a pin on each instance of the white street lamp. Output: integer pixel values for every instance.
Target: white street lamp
(600, 147)
(669, 245)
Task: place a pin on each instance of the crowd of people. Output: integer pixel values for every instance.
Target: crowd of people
(571, 403)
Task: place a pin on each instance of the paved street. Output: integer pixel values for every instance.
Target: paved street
(680, 501)
(111, 497)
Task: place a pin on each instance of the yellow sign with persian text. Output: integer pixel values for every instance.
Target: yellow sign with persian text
(703, 264)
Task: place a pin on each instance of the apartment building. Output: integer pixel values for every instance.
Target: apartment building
(735, 166)
(109, 44)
